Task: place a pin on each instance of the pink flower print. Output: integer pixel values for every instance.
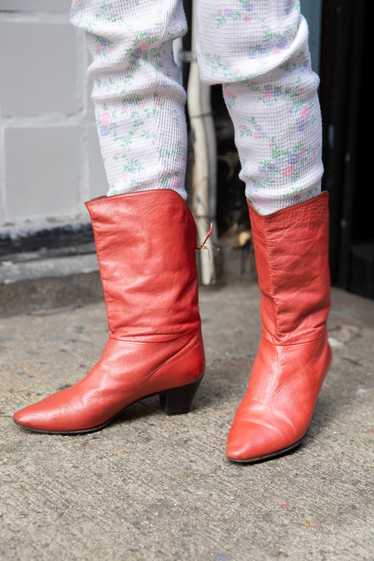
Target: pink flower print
(288, 171)
(105, 123)
(247, 18)
(141, 50)
(143, 46)
(268, 95)
(105, 119)
(305, 112)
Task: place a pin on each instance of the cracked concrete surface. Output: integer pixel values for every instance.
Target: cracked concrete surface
(151, 487)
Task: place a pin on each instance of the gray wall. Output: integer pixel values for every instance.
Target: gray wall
(312, 10)
(49, 156)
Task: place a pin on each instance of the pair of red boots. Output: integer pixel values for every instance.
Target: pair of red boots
(146, 245)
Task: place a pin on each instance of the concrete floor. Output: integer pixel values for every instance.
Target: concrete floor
(152, 487)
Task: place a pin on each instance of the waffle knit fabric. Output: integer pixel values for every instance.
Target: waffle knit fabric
(257, 49)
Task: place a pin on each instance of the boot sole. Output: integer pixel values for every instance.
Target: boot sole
(175, 401)
(269, 456)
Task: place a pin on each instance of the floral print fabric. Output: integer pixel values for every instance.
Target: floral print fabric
(257, 49)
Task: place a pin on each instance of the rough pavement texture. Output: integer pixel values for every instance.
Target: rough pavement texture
(152, 487)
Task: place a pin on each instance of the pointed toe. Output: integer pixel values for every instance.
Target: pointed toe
(41, 416)
(237, 450)
(26, 418)
(254, 442)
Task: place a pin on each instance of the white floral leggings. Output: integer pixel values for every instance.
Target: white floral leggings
(257, 49)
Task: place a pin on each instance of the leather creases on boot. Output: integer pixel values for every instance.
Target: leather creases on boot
(291, 253)
(145, 244)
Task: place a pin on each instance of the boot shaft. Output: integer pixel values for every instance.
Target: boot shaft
(145, 244)
(291, 252)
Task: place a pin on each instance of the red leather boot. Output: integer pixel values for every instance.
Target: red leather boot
(291, 252)
(145, 245)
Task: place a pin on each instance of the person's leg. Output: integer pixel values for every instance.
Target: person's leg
(258, 50)
(137, 90)
(144, 232)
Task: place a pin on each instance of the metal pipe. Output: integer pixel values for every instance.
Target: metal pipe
(204, 174)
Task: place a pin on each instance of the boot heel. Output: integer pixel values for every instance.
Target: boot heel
(178, 400)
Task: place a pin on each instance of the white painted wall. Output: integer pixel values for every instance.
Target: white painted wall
(49, 155)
